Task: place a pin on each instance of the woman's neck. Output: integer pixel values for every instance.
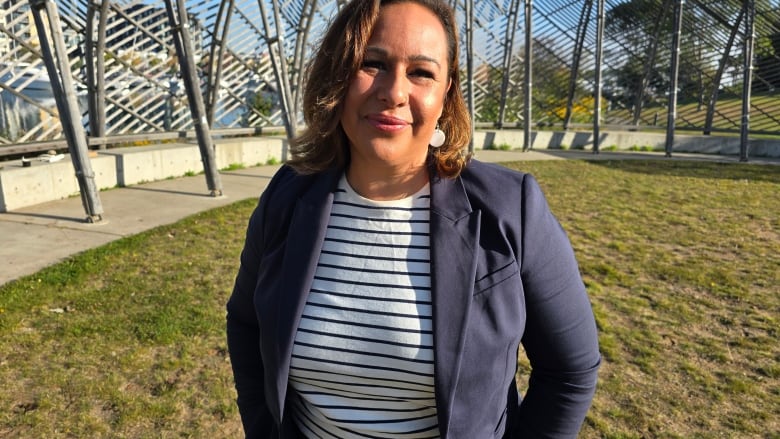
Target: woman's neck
(387, 184)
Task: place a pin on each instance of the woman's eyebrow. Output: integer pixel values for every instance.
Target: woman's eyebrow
(417, 58)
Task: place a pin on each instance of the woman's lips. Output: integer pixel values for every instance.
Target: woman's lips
(386, 122)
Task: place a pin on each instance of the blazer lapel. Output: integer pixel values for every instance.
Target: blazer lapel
(304, 241)
(454, 238)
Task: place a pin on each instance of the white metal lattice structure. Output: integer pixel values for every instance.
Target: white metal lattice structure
(261, 46)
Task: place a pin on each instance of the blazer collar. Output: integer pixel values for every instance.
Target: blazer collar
(454, 237)
(305, 235)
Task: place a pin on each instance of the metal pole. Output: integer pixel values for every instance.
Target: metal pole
(673, 76)
(100, 65)
(724, 60)
(650, 62)
(89, 56)
(58, 68)
(278, 62)
(469, 10)
(598, 79)
(96, 67)
(292, 117)
(582, 30)
(514, 11)
(215, 57)
(529, 54)
(179, 21)
(302, 37)
(747, 84)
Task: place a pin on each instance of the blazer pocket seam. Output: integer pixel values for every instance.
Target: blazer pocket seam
(495, 278)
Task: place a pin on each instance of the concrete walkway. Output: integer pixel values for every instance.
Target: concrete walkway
(36, 237)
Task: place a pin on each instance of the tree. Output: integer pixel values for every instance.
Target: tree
(767, 66)
(551, 75)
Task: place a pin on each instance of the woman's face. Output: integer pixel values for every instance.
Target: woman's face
(396, 97)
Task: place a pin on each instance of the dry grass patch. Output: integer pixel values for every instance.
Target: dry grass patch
(126, 340)
(680, 259)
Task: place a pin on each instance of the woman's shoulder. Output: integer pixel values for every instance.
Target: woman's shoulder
(288, 184)
(497, 188)
(285, 191)
(286, 175)
(492, 176)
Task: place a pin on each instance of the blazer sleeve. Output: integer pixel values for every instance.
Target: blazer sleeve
(243, 334)
(560, 337)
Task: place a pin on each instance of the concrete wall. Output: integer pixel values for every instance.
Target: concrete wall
(249, 151)
(625, 140)
(25, 186)
(138, 164)
(42, 181)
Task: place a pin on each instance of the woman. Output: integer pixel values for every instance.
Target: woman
(387, 281)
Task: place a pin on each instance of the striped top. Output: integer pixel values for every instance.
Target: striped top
(362, 363)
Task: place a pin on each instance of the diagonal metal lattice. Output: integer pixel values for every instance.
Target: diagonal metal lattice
(250, 55)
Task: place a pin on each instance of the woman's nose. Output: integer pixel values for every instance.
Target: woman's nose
(394, 89)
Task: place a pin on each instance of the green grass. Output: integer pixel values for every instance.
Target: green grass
(234, 167)
(499, 146)
(680, 260)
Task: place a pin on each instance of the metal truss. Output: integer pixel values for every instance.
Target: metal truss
(148, 70)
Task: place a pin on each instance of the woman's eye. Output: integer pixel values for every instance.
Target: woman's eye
(422, 73)
(372, 65)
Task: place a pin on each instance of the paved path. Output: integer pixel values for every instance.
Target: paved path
(35, 237)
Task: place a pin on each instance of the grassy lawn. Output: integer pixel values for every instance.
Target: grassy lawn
(681, 260)
(765, 108)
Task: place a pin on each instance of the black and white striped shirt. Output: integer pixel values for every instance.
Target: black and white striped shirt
(362, 364)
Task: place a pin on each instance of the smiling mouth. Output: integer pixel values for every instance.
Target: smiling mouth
(387, 123)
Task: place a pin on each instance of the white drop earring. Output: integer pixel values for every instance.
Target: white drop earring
(438, 137)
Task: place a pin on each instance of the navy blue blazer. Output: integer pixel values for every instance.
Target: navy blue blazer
(503, 274)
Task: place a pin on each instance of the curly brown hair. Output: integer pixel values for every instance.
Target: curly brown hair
(323, 144)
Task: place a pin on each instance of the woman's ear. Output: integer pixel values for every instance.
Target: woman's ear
(447, 91)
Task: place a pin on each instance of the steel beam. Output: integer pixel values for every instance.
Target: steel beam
(582, 30)
(278, 57)
(674, 73)
(95, 63)
(528, 85)
(514, 12)
(469, 12)
(598, 76)
(214, 72)
(58, 68)
(747, 82)
(724, 60)
(179, 22)
(299, 59)
(645, 80)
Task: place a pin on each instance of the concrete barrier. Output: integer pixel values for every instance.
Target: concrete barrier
(140, 164)
(625, 140)
(249, 151)
(43, 181)
(25, 186)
